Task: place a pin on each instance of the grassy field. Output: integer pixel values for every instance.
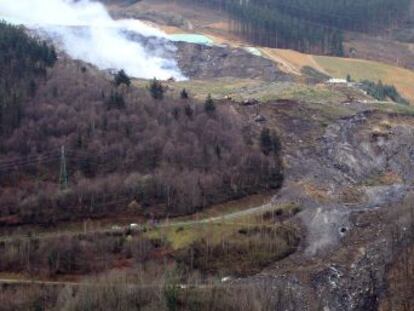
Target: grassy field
(241, 89)
(293, 62)
(403, 79)
(215, 26)
(182, 235)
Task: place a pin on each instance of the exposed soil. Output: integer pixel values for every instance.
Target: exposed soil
(350, 173)
(207, 62)
(349, 242)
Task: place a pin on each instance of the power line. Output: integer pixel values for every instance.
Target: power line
(12, 160)
(63, 175)
(19, 165)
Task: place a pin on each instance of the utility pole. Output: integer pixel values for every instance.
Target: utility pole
(63, 176)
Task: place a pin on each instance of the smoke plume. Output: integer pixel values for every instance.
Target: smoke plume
(87, 32)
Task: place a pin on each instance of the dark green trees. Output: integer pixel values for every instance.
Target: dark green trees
(382, 91)
(311, 26)
(269, 142)
(115, 101)
(184, 94)
(122, 78)
(156, 89)
(209, 105)
(23, 60)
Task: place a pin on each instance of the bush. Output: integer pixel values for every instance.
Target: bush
(382, 91)
(209, 105)
(269, 142)
(245, 253)
(156, 89)
(184, 94)
(122, 78)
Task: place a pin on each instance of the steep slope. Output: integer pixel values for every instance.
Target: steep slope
(337, 234)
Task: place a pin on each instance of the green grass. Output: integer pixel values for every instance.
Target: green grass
(311, 93)
(182, 235)
(243, 252)
(240, 89)
(179, 237)
(402, 79)
(359, 70)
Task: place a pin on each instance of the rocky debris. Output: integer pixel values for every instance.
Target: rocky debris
(198, 61)
(359, 150)
(259, 118)
(206, 62)
(350, 278)
(347, 245)
(324, 226)
(250, 102)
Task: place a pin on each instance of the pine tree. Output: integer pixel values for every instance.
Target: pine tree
(122, 78)
(184, 94)
(156, 89)
(269, 142)
(209, 105)
(266, 141)
(23, 61)
(115, 101)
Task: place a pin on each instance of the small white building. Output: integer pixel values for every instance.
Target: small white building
(337, 81)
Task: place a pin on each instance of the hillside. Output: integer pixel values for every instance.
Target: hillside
(123, 145)
(358, 69)
(189, 19)
(245, 179)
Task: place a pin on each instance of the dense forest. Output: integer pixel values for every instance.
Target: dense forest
(126, 149)
(23, 61)
(309, 26)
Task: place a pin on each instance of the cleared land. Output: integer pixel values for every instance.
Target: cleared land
(403, 79)
(215, 26)
(359, 69)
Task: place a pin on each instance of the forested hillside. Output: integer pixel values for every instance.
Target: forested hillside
(122, 145)
(23, 63)
(309, 26)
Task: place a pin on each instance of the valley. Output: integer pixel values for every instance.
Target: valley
(255, 178)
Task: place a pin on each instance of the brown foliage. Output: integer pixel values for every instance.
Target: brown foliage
(74, 255)
(150, 151)
(245, 253)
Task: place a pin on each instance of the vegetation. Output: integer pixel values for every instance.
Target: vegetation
(360, 70)
(116, 293)
(122, 78)
(85, 146)
(115, 101)
(80, 254)
(209, 105)
(156, 89)
(383, 92)
(184, 94)
(123, 146)
(269, 142)
(313, 75)
(246, 252)
(311, 26)
(23, 64)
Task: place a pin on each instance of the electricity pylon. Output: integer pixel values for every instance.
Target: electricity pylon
(63, 176)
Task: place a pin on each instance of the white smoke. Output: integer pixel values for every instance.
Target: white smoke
(87, 32)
